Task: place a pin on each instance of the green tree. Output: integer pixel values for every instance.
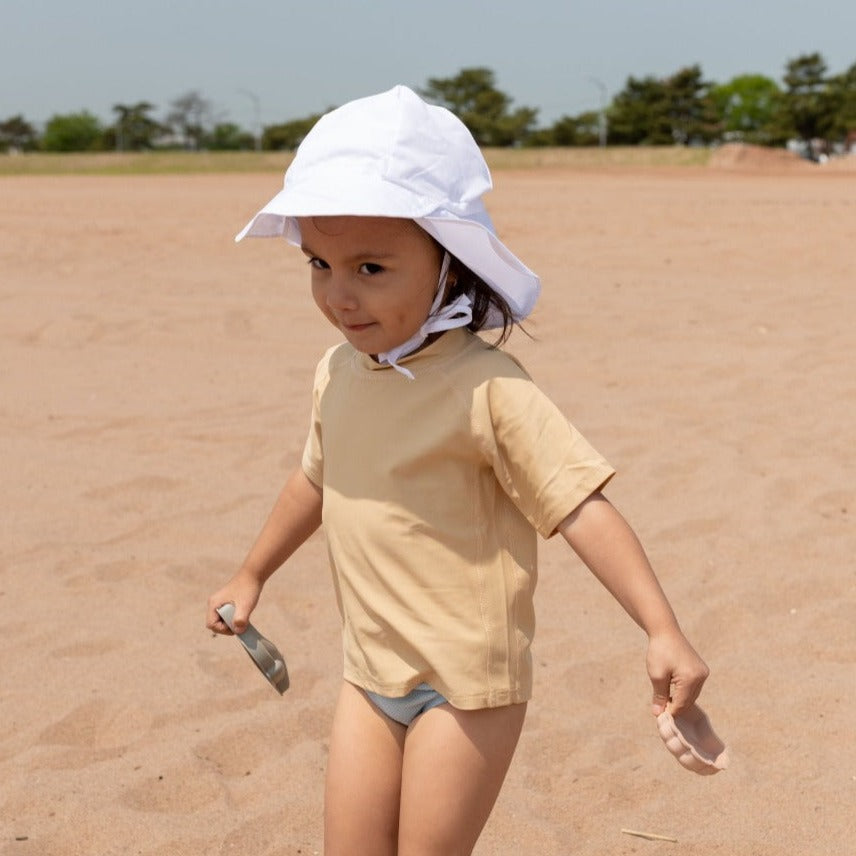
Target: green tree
(288, 135)
(804, 107)
(511, 129)
(73, 132)
(640, 114)
(676, 109)
(840, 99)
(747, 107)
(581, 130)
(17, 134)
(690, 109)
(134, 128)
(473, 97)
(227, 136)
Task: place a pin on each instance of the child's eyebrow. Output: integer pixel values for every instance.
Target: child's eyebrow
(362, 255)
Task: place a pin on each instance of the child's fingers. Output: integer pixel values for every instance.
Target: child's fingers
(213, 620)
(679, 691)
(677, 674)
(674, 694)
(685, 693)
(243, 596)
(241, 618)
(662, 694)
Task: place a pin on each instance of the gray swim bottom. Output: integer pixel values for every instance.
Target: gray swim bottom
(406, 708)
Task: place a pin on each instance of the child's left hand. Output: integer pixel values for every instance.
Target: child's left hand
(677, 672)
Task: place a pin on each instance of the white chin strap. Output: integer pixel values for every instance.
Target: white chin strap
(458, 313)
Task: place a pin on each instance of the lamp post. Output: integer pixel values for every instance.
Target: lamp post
(257, 114)
(601, 116)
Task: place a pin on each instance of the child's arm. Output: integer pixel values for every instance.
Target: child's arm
(295, 516)
(603, 539)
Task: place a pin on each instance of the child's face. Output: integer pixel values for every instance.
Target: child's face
(373, 277)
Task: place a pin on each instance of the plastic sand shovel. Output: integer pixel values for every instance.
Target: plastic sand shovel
(692, 740)
(262, 651)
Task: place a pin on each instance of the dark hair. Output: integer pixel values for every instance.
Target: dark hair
(485, 300)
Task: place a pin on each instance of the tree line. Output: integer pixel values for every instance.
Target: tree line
(683, 108)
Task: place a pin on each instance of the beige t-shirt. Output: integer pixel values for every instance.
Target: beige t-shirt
(434, 489)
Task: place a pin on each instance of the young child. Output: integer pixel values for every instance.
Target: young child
(432, 460)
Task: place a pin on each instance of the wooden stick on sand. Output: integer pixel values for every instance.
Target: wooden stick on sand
(650, 836)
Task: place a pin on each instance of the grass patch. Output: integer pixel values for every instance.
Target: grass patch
(142, 163)
(594, 157)
(186, 163)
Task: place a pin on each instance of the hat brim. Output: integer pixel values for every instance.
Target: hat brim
(324, 199)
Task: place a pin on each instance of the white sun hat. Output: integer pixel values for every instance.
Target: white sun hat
(394, 155)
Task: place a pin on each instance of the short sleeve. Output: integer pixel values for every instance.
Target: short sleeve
(313, 450)
(543, 463)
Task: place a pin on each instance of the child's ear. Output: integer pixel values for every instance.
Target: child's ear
(452, 276)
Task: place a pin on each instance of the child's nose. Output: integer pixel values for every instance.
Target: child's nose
(340, 293)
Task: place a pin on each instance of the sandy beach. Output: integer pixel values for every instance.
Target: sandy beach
(697, 324)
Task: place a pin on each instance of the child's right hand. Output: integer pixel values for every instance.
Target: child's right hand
(676, 671)
(243, 592)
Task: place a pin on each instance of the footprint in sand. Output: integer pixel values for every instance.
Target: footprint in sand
(92, 732)
(237, 752)
(99, 725)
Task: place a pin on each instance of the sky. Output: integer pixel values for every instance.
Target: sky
(268, 62)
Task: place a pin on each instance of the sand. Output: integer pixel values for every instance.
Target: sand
(696, 324)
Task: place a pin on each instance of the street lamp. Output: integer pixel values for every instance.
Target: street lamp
(257, 113)
(601, 116)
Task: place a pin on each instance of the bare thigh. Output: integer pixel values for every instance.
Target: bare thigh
(454, 765)
(363, 790)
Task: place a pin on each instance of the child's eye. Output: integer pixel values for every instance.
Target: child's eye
(318, 264)
(370, 268)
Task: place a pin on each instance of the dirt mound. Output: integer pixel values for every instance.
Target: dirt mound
(745, 156)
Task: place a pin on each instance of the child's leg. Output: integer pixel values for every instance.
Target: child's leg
(363, 789)
(455, 762)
